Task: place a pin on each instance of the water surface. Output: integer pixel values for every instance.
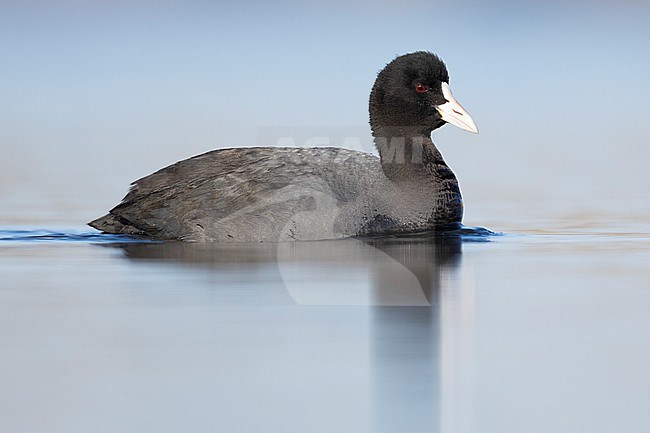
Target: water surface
(509, 333)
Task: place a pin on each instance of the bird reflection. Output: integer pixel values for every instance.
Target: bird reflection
(399, 279)
(406, 340)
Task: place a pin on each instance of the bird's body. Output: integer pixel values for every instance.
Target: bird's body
(284, 194)
(278, 194)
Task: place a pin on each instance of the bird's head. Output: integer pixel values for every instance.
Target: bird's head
(413, 91)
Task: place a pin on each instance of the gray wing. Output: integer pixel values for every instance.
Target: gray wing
(245, 194)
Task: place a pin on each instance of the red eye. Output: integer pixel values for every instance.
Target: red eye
(420, 88)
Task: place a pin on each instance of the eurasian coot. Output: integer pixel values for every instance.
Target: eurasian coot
(285, 194)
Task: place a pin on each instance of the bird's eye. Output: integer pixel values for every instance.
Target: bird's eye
(420, 88)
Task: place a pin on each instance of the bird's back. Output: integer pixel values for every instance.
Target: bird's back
(251, 194)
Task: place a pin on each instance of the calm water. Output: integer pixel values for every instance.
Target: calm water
(510, 333)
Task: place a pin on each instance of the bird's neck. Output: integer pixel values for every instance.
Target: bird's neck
(407, 153)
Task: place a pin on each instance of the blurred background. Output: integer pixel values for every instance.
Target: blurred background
(97, 94)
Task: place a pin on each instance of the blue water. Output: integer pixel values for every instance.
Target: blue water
(44, 235)
(469, 332)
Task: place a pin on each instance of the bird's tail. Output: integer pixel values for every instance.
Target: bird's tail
(115, 224)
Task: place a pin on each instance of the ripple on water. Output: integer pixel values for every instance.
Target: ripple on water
(44, 235)
(469, 234)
